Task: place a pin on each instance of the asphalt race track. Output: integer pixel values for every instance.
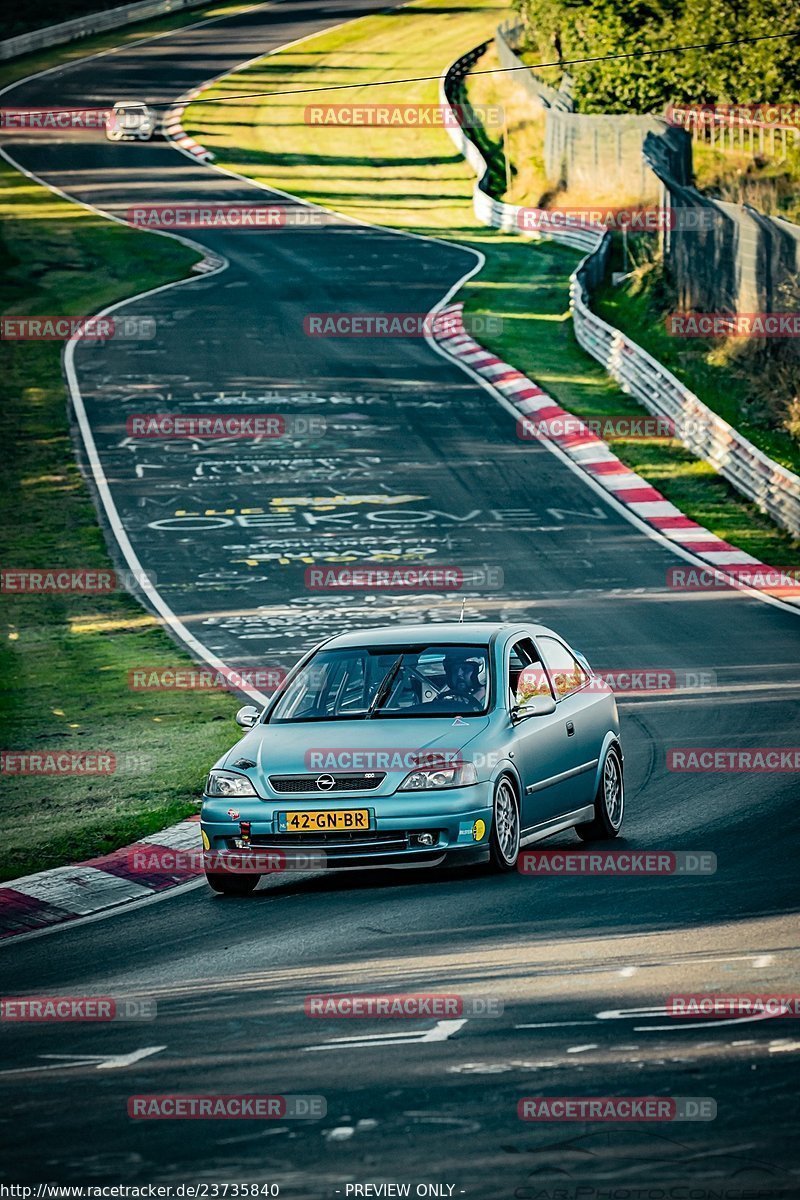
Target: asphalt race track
(416, 463)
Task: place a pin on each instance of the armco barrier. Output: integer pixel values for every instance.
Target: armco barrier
(488, 210)
(772, 487)
(97, 22)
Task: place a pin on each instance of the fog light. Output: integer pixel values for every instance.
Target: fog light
(423, 839)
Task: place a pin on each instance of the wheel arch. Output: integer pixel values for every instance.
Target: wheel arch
(507, 768)
(611, 741)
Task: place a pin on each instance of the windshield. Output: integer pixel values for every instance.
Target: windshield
(365, 683)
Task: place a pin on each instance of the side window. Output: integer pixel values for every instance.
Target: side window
(526, 674)
(565, 671)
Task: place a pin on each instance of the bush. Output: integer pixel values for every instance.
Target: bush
(745, 74)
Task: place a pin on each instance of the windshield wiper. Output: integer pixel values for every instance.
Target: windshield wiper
(384, 687)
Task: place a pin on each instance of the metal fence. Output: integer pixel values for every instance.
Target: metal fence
(772, 487)
(489, 210)
(97, 22)
(735, 131)
(543, 95)
(596, 153)
(723, 257)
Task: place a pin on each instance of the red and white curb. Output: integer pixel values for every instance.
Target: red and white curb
(173, 129)
(596, 459)
(65, 893)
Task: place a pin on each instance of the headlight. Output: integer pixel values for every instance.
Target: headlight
(454, 775)
(226, 783)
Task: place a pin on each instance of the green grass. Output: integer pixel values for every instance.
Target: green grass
(538, 338)
(772, 185)
(733, 387)
(423, 185)
(64, 660)
(403, 177)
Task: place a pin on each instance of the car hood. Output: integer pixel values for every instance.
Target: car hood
(350, 747)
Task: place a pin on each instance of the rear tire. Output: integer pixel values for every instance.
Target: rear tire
(231, 885)
(504, 838)
(609, 802)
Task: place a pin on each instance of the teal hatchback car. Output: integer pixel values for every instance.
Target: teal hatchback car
(417, 746)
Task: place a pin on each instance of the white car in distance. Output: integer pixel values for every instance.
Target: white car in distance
(130, 119)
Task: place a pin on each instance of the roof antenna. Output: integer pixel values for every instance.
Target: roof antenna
(461, 617)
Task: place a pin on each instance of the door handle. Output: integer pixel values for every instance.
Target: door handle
(570, 729)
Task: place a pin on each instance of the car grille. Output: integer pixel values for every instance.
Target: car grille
(338, 837)
(341, 783)
(342, 843)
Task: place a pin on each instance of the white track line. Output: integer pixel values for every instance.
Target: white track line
(101, 482)
(630, 516)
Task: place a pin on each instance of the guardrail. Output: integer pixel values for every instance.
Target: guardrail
(97, 22)
(497, 213)
(774, 488)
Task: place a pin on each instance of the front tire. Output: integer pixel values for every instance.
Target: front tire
(504, 838)
(231, 885)
(609, 802)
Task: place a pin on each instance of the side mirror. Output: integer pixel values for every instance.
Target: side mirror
(247, 716)
(536, 706)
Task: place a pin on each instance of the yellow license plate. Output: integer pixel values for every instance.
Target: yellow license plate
(305, 821)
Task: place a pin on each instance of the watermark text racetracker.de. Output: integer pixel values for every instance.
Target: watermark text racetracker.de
(438, 1005)
(230, 1107)
(62, 328)
(403, 578)
(711, 1004)
(535, 680)
(80, 581)
(37, 119)
(390, 758)
(397, 324)
(180, 678)
(617, 1108)
(630, 219)
(230, 217)
(57, 762)
(245, 859)
(617, 862)
(72, 1009)
(734, 759)
(217, 425)
(780, 114)
(64, 762)
(784, 581)
(629, 426)
(413, 116)
(734, 325)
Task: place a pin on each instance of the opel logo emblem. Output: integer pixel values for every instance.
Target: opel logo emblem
(325, 782)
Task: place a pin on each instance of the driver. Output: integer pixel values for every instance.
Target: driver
(463, 682)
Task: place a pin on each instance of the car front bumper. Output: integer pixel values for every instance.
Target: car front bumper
(458, 820)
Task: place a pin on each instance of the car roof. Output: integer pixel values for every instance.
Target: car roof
(473, 633)
(130, 104)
